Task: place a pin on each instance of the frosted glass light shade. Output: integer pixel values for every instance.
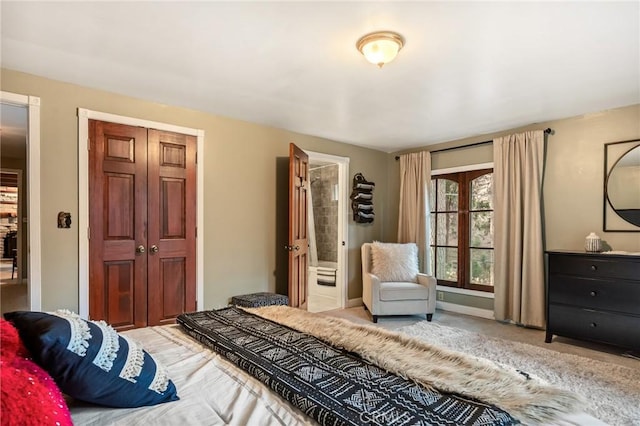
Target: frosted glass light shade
(381, 47)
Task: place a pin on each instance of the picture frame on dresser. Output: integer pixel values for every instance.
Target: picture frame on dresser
(593, 296)
(621, 198)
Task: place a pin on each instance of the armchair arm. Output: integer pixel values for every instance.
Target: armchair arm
(429, 282)
(371, 291)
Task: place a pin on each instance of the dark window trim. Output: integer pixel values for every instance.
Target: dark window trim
(464, 179)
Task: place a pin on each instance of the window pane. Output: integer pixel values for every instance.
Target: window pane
(447, 229)
(482, 266)
(432, 237)
(481, 192)
(447, 264)
(432, 261)
(432, 196)
(481, 229)
(447, 195)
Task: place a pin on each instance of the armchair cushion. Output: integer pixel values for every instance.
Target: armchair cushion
(403, 291)
(394, 262)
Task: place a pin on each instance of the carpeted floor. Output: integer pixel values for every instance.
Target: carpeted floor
(609, 381)
(612, 391)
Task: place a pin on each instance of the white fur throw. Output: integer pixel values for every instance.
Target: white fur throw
(524, 397)
(394, 262)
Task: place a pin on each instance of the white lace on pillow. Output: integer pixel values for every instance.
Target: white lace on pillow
(80, 333)
(395, 262)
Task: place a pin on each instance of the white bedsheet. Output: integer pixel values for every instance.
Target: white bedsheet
(212, 391)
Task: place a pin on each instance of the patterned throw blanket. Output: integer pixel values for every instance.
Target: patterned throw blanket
(330, 385)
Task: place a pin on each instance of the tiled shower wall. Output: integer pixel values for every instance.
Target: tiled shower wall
(325, 210)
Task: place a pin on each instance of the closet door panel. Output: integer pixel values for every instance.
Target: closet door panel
(119, 206)
(172, 225)
(173, 209)
(173, 292)
(117, 224)
(120, 289)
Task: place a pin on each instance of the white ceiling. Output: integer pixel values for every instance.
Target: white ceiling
(467, 68)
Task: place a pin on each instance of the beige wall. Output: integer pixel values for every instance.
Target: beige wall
(240, 189)
(241, 185)
(573, 180)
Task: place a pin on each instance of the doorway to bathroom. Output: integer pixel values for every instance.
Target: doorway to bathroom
(328, 231)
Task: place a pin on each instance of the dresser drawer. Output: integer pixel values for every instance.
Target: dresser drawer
(594, 266)
(620, 296)
(594, 325)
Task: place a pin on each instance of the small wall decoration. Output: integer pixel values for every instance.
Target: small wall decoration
(362, 199)
(64, 220)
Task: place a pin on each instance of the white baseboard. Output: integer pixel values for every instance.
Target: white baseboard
(467, 310)
(352, 303)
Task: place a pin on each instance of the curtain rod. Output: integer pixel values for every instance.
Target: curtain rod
(547, 131)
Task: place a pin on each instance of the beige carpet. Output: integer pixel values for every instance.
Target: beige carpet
(612, 391)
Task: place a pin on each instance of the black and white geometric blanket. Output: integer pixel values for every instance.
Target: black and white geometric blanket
(330, 385)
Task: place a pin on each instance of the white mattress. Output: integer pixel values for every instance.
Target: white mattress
(212, 391)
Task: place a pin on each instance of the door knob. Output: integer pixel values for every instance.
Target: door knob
(140, 249)
(296, 248)
(154, 249)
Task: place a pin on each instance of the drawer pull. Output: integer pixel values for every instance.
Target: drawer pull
(594, 268)
(593, 293)
(593, 325)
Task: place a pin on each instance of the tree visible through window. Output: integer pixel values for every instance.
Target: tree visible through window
(462, 229)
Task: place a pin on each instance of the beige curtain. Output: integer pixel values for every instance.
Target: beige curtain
(519, 263)
(413, 217)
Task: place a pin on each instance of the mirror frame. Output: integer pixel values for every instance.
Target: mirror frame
(613, 152)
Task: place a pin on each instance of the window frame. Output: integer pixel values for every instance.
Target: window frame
(464, 178)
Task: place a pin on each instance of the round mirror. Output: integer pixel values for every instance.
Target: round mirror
(623, 186)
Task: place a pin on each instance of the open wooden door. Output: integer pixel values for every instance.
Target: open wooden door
(298, 228)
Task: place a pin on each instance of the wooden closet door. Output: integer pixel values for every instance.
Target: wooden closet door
(117, 224)
(172, 225)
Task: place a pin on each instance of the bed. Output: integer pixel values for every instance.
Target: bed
(213, 389)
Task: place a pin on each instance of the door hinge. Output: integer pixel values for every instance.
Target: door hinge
(88, 144)
(196, 232)
(88, 233)
(196, 158)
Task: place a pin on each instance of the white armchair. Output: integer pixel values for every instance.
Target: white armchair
(398, 288)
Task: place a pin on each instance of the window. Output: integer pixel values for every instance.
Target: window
(462, 229)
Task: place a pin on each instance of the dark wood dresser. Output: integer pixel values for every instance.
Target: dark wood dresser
(594, 296)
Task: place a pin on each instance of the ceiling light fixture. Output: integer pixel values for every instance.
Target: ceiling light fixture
(380, 47)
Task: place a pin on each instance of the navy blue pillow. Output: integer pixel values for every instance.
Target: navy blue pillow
(91, 362)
